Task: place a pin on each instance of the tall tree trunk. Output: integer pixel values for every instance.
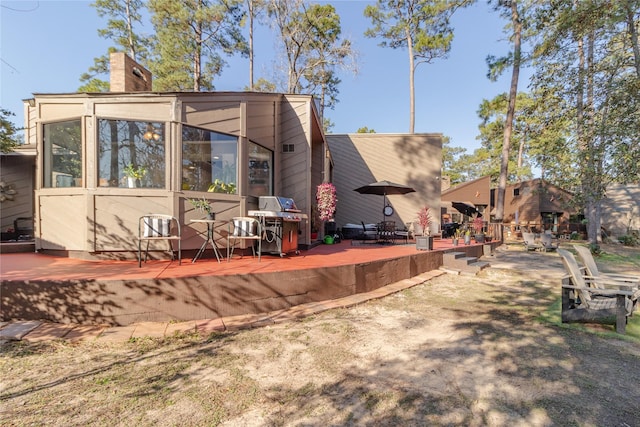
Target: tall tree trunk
(508, 126)
(412, 90)
(132, 48)
(197, 59)
(583, 146)
(250, 2)
(594, 163)
(633, 33)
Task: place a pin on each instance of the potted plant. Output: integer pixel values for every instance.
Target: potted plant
(467, 237)
(134, 174)
(456, 237)
(478, 225)
(326, 198)
(424, 242)
(203, 206)
(219, 186)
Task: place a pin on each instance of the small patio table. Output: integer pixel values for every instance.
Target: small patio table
(208, 240)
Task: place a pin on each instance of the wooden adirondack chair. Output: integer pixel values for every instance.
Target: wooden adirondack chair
(591, 270)
(585, 304)
(530, 243)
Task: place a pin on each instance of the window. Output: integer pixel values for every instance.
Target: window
(131, 154)
(516, 191)
(260, 170)
(288, 148)
(62, 156)
(209, 161)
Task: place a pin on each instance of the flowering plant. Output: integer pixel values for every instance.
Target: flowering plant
(326, 198)
(478, 224)
(424, 219)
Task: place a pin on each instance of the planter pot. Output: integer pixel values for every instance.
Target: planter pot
(131, 182)
(314, 236)
(479, 238)
(455, 242)
(424, 243)
(467, 240)
(211, 216)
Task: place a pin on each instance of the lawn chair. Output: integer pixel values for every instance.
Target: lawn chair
(530, 243)
(586, 304)
(156, 227)
(547, 242)
(591, 271)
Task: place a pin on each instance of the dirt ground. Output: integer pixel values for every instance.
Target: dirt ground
(485, 350)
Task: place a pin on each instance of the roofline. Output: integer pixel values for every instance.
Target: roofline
(466, 184)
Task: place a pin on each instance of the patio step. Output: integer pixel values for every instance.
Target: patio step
(463, 264)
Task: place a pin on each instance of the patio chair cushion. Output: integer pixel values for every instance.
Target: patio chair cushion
(156, 227)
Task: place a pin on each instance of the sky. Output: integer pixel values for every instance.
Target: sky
(45, 46)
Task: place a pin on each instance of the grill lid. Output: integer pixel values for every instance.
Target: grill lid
(277, 204)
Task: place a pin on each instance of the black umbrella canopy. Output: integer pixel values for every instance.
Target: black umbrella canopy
(466, 208)
(384, 188)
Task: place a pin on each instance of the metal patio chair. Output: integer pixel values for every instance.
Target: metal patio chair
(158, 227)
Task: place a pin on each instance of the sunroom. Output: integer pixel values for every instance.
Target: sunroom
(105, 159)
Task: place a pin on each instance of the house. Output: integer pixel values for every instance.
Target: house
(475, 194)
(360, 159)
(227, 147)
(539, 205)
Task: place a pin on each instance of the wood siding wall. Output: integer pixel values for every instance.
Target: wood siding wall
(295, 166)
(535, 198)
(361, 159)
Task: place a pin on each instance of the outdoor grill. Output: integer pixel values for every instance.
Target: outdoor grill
(280, 220)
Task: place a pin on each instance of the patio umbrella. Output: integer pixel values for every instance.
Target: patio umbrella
(384, 188)
(466, 208)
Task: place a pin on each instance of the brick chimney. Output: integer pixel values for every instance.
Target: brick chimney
(127, 75)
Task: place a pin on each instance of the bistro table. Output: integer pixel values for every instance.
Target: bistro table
(208, 240)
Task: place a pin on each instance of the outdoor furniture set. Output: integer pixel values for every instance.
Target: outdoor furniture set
(589, 296)
(161, 227)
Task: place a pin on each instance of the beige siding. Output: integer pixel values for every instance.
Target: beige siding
(133, 109)
(62, 222)
(217, 116)
(295, 167)
(361, 159)
(117, 216)
(57, 109)
(261, 119)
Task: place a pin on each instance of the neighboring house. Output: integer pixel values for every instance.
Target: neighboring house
(539, 205)
(535, 204)
(17, 175)
(621, 209)
(360, 159)
(476, 193)
(246, 144)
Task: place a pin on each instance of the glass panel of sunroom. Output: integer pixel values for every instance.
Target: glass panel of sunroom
(131, 154)
(209, 161)
(62, 154)
(260, 170)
